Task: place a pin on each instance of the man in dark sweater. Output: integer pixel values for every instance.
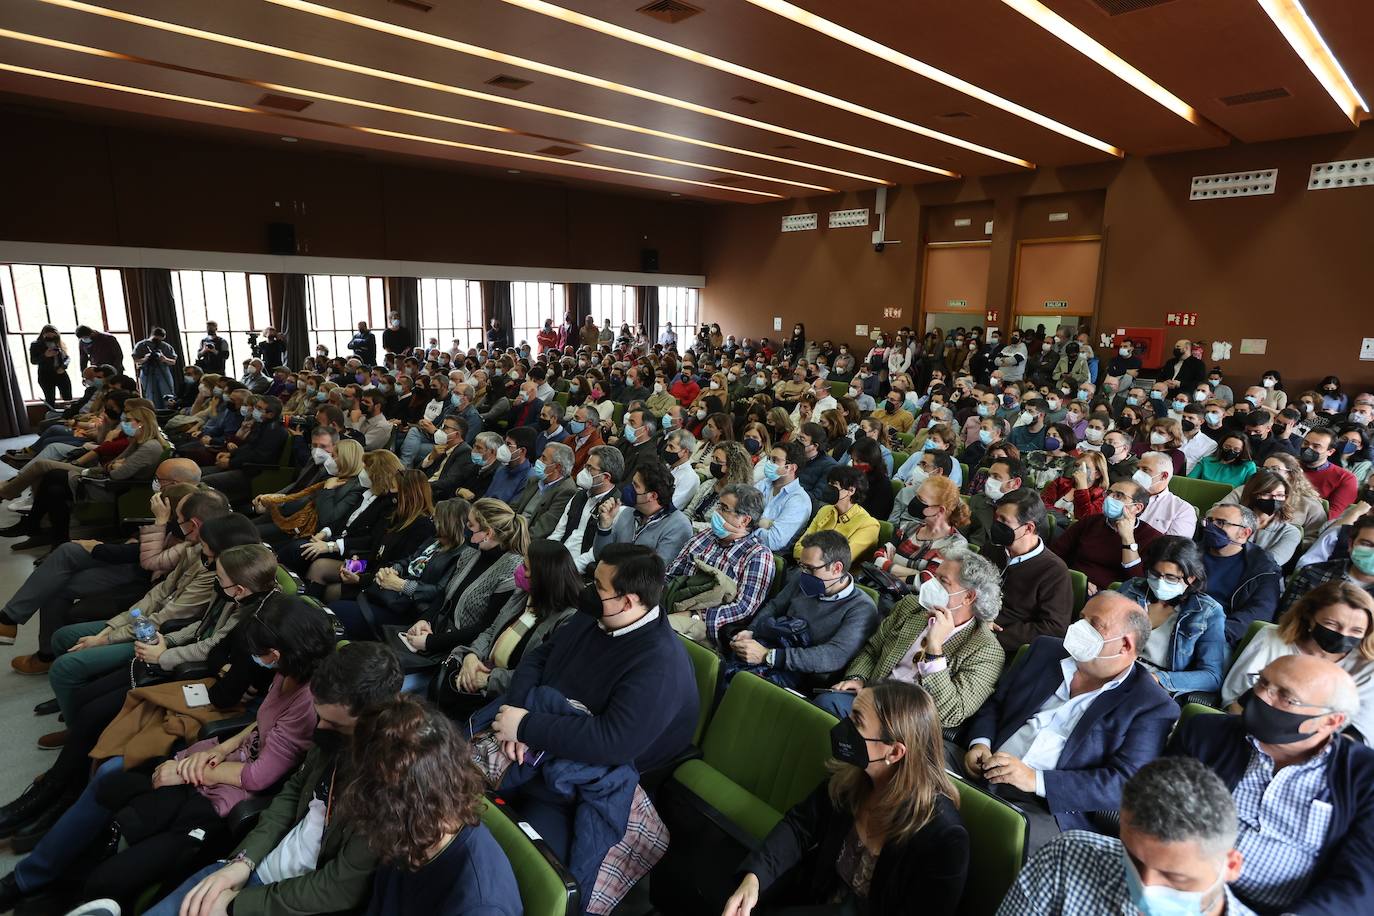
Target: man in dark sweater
(1037, 599)
(1107, 546)
(621, 660)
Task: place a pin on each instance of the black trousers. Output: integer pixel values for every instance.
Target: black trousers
(166, 830)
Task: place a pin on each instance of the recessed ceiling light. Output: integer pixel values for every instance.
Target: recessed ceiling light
(1301, 33)
(288, 139)
(706, 60)
(346, 66)
(1090, 48)
(462, 47)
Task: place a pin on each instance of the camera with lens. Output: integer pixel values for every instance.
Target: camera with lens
(253, 346)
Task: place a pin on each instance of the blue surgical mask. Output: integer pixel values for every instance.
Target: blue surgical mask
(718, 525)
(576, 427)
(538, 471)
(321, 396)
(1160, 899)
(453, 399)
(770, 469)
(1133, 401)
(310, 389)
(1113, 508)
(985, 436)
(128, 428)
(263, 664)
(257, 415)
(477, 459)
(245, 411)
(984, 410)
(667, 422)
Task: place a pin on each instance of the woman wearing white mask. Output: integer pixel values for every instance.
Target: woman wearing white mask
(1186, 651)
(327, 503)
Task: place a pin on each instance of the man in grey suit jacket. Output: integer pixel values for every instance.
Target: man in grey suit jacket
(548, 490)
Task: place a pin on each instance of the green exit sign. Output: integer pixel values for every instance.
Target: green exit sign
(957, 303)
(1056, 303)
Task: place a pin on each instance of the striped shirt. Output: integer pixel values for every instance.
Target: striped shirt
(1283, 826)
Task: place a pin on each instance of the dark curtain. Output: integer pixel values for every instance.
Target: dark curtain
(14, 419)
(406, 303)
(295, 319)
(496, 304)
(579, 302)
(160, 311)
(648, 311)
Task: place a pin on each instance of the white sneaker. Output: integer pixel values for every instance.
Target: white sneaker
(104, 907)
(23, 503)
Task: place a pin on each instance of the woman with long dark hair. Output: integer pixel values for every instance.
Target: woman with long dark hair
(50, 355)
(884, 831)
(417, 797)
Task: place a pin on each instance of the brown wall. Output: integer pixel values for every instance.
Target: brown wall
(98, 184)
(1293, 267)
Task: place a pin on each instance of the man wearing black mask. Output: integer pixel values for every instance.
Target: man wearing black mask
(1037, 597)
(1304, 796)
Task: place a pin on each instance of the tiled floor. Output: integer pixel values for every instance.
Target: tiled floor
(20, 758)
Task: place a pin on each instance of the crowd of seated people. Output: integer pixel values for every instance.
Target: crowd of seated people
(519, 544)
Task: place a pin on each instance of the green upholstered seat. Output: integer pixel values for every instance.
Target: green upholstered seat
(997, 834)
(1202, 494)
(546, 888)
(1080, 591)
(706, 668)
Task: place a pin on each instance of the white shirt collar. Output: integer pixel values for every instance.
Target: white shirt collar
(1029, 554)
(1070, 668)
(626, 630)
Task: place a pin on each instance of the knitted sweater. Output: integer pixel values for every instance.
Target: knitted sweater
(838, 628)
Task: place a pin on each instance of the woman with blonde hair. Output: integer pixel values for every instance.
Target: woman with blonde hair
(205, 406)
(780, 426)
(325, 504)
(1333, 622)
(936, 513)
(1304, 505)
(883, 831)
(729, 464)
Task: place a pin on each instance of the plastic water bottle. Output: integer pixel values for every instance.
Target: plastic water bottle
(145, 631)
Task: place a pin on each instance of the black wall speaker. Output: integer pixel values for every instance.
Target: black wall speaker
(648, 260)
(281, 238)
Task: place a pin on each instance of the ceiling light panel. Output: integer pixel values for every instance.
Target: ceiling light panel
(273, 100)
(273, 121)
(451, 44)
(1291, 19)
(293, 57)
(610, 29)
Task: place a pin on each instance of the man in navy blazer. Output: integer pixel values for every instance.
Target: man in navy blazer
(1311, 790)
(1072, 721)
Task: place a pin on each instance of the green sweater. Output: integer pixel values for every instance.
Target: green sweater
(342, 878)
(1211, 468)
(973, 661)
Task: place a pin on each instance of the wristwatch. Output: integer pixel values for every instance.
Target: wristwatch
(1134, 548)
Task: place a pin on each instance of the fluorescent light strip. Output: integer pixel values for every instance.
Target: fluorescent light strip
(1090, 48)
(375, 106)
(1302, 33)
(347, 67)
(794, 13)
(706, 60)
(461, 47)
(207, 103)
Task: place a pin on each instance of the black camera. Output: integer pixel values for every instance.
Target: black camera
(253, 346)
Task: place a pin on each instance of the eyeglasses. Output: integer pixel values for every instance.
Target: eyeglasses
(1283, 698)
(1169, 577)
(807, 567)
(1223, 523)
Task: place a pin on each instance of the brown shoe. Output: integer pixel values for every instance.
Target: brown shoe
(53, 741)
(8, 631)
(30, 664)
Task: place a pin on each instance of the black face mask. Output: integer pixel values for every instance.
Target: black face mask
(1266, 505)
(1229, 454)
(848, 746)
(589, 602)
(717, 470)
(1002, 534)
(1189, 425)
(1331, 641)
(1108, 451)
(329, 741)
(1178, 351)
(1272, 726)
(917, 509)
(1309, 455)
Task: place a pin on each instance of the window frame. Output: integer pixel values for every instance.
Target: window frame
(551, 301)
(376, 302)
(433, 293)
(257, 298)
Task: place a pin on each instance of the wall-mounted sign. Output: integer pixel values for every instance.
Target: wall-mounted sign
(777, 322)
(1181, 319)
(799, 222)
(891, 312)
(1254, 346)
(1367, 349)
(847, 219)
(860, 330)
(993, 316)
(963, 221)
(1056, 303)
(957, 303)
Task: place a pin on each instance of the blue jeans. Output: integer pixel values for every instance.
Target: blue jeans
(836, 702)
(415, 447)
(75, 830)
(171, 904)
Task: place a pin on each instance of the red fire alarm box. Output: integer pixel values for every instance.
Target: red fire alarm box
(1150, 345)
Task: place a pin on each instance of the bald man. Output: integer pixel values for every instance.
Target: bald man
(1071, 721)
(102, 574)
(1305, 795)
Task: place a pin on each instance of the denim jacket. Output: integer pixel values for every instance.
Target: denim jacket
(1197, 650)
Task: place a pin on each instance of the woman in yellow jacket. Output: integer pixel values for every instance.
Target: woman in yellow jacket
(845, 515)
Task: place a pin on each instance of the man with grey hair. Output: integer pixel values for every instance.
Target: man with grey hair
(1177, 853)
(1304, 794)
(484, 451)
(679, 450)
(596, 483)
(460, 402)
(811, 630)
(1166, 513)
(1071, 721)
(548, 491)
(941, 639)
(1241, 575)
(732, 549)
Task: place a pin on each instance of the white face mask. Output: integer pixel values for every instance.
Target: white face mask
(503, 454)
(933, 594)
(331, 467)
(364, 480)
(585, 479)
(1158, 438)
(440, 438)
(319, 455)
(992, 488)
(1093, 434)
(918, 476)
(1084, 643)
(1143, 478)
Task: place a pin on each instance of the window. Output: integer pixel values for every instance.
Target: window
(614, 303)
(449, 309)
(337, 304)
(237, 302)
(63, 297)
(680, 306)
(530, 304)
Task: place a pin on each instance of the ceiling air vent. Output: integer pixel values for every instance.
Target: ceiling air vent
(744, 100)
(1117, 7)
(670, 11)
(418, 5)
(955, 116)
(285, 103)
(557, 150)
(784, 146)
(503, 81)
(1259, 95)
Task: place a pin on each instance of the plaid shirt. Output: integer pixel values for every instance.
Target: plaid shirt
(1314, 575)
(746, 560)
(1081, 874)
(1283, 826)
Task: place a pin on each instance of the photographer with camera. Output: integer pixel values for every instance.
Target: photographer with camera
(271, 349)
(213, 353)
